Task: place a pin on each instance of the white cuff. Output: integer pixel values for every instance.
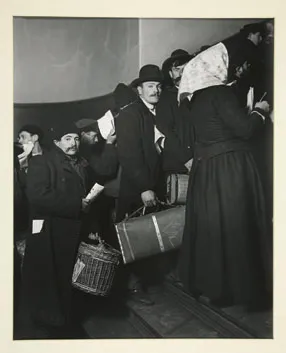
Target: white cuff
(262, 116)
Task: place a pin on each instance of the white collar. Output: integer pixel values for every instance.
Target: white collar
(150, 106)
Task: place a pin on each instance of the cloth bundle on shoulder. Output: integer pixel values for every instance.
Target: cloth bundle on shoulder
(177, 187)
(151, 234)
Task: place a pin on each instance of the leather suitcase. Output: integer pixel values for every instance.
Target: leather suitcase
(148, 235)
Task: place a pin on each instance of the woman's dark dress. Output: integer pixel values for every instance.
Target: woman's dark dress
(225, 251)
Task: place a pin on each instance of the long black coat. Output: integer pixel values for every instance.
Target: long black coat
(103, 160)
(170, 120)
(55, 191)
(137, 155)
(226, 249)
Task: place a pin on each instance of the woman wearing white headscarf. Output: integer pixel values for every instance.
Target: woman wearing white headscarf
(225, 250)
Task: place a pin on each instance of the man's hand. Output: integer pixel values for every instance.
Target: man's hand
(85, 205)
(189, 164)
(264, 105)
(111, 137)
(148, 198)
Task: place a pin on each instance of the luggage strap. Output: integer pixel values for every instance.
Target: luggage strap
(158, 233)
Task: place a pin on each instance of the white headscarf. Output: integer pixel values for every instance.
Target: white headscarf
(209, 68)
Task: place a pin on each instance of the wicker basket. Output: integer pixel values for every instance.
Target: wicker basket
(95, 268)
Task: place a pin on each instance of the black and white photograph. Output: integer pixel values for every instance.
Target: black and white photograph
(143, 178)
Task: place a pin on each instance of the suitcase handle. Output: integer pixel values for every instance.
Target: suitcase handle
(142, 208)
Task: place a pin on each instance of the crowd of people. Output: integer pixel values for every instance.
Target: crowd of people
(197, 116)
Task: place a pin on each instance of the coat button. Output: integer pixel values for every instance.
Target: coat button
(63, 180)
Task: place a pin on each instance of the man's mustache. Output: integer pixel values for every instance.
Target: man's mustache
(178, 79)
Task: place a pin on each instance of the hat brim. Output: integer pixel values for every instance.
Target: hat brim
(138, 81)
(168, 62)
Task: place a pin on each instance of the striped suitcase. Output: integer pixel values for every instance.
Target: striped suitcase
(177, 187)
(148, 235)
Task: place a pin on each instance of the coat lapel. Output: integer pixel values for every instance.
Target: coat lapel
(151, 154)
(66, 167)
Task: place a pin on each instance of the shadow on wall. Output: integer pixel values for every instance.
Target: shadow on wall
(68, 59)
(45, 114)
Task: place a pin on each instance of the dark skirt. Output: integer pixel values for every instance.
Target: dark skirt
(226, 249)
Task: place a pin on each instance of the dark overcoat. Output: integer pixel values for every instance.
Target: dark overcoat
(55, 191)
(226, 249)
(172, 122)
(138, 156)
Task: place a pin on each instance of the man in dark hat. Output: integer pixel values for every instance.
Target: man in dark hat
(139, 144)
(98, 137)
(100, 153)
(123, 95)
(29, 138)
(246, 45)
(137, 149)
(28, 145)
(32, 133)
(173, 66)
(254, 32)
(170, 118)
(57, 184)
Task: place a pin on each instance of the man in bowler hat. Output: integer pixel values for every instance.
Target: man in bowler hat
(139, 144)
(138, 150)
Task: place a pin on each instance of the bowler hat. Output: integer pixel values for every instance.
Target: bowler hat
(148, 73)
(179, 54)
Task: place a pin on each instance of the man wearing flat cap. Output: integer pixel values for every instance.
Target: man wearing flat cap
(98, 137)
(170, 118)
(57, 184)
(101, 154)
